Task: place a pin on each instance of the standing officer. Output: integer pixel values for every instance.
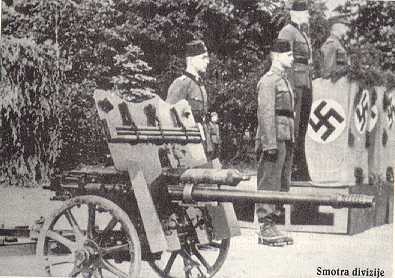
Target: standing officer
(190, 87)
(334, 57)
(274, 138)
(300, 78)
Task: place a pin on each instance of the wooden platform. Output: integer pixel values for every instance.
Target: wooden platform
(325, 219)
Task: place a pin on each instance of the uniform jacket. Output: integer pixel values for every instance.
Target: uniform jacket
(333, 56)
(190, 88)
(274, 95)
(300, 74)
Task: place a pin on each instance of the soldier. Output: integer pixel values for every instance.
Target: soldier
(334, 57)
(215, 136)
(189, 86)
(300, 79)
(274, 138)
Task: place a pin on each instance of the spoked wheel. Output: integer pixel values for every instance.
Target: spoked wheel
(90, 236)
(193, 260)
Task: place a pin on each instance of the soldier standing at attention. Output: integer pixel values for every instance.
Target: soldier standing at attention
(334, 57)
(274, 139)
(190, 87)
(300, 78)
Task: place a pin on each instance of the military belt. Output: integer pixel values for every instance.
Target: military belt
(285, 113)
(304, 61)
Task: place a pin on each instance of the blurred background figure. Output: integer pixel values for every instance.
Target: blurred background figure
(334, 56)
(215, 136)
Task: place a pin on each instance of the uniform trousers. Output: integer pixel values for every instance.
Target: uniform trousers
(303, 103)
(274, 175)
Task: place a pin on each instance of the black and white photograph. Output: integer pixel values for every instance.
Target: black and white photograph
(197, 138)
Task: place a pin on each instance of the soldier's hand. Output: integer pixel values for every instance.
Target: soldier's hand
(271, 155)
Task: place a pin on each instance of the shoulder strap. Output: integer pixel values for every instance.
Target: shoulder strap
(192, 77)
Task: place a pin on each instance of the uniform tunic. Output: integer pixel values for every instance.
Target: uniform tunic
(333, 57)
(300, 74)
(275, 131)
(189, 87)
(300, 78)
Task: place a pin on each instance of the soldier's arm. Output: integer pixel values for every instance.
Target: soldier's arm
(178, 90)
(266, 113)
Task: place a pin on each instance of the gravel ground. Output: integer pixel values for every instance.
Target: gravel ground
(370, 249)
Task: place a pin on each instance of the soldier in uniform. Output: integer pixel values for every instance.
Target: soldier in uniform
(274, 138)
(334, 57)
(300, 79)
(215, 136)
(190, 87)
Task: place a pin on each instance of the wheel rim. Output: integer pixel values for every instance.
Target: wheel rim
(193, 260)
(89, 236)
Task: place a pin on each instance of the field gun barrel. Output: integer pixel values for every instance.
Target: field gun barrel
(199, 193)
(155, 135)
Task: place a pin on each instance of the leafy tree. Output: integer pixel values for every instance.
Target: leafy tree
(30, 90)
(371, 41)
(54, 54)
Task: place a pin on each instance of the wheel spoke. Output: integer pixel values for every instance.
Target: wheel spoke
(63, 240)
(114, 270)
(73, 223)
(110, 226)
(202, 259)
(91, 220)
(115, 249)
(170, 263)
(215, 244)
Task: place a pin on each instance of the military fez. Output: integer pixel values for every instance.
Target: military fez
(194, 48)
(281, 46)
(299, 6)
(338, 19)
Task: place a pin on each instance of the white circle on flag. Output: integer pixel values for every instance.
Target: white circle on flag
(373, 117)
(361, 112)
(327, 121)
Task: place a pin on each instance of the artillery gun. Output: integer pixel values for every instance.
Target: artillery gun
(161, 202)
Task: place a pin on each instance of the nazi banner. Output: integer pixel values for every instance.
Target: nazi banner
(390, 111)
(327, 121)
(361, 112)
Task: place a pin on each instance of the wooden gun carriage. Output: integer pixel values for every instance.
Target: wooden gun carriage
(161, 202)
